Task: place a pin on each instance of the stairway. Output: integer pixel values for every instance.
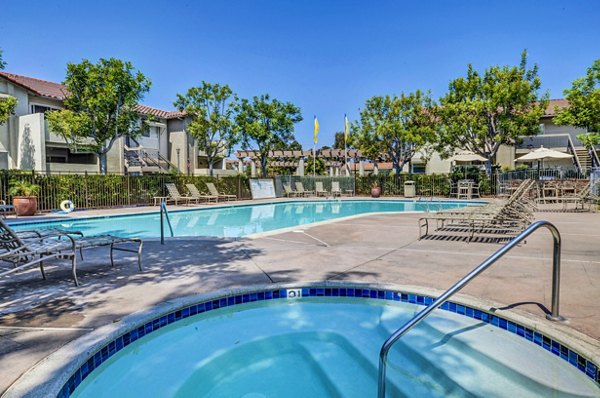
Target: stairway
(140, 160)
(584, 157)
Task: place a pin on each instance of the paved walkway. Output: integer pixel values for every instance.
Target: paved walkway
(37, 317)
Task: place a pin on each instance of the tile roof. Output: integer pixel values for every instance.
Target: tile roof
(148, 110)
(553, 104)
(57, 91)
(42, 88)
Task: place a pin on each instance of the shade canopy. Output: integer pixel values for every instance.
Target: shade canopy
(467, 156)
(543, 153)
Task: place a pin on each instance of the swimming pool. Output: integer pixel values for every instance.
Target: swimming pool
(240, 220)
(270, 343)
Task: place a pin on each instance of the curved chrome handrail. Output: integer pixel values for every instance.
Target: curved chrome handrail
(554, 315)
(163, 210)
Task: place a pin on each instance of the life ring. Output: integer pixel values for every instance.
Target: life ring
(67, 206)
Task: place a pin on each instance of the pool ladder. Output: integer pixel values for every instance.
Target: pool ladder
(164, 213)
(553, 316)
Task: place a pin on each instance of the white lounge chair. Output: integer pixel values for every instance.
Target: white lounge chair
(213, 191)
(301, 191)
(175, 196)
(288, 192)
(335, 189)
(319, 190)
(196, 194)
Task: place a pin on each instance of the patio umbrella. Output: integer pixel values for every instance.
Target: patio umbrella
(543, 153)
(467, 157)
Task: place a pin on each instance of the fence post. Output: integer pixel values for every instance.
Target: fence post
(128, 191)
(85, 185)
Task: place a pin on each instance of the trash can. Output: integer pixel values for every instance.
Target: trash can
(409, 189)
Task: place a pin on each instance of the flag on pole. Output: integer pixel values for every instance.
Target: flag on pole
(346, 128)
(316, 129)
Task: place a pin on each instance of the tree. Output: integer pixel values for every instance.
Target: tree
(212, 108)
(268, 124)
(318, 165)
(394, 127)
(100, 106)
(584, 106)
(7, 103)
(338, 140)
(481, 113)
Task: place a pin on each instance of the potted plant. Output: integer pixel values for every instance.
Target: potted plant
(24, 197)
(375, 190)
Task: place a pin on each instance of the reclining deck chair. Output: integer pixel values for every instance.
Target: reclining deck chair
(510, 217)
(288, 192)
(175, 196)
(319, 190)
(301, 191)
(196, 194)
(213, 191)
(24, 252)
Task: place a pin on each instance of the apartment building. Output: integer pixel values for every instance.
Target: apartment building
(27, 143)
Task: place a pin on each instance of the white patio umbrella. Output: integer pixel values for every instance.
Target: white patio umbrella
(543, 153)
(466, 157)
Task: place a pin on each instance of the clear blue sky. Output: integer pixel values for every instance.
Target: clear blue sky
(327, 57)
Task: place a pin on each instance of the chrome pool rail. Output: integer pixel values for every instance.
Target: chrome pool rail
(553, 316)
(164, 212)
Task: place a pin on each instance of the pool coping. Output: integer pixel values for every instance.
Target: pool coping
(145, 210)
(41, 222)
(52, 373)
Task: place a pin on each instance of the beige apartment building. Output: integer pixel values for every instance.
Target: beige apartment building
(27, 143)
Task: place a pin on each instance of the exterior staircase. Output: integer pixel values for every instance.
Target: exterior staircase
(585, 160)
(140, 160)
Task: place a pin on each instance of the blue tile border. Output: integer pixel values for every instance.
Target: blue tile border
(586, 366)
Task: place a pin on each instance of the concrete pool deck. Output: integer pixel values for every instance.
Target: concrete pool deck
(39, 316)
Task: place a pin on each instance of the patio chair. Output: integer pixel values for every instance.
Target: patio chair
(475, 191)
(4, 208)
(196, 194)
(319, 190)
(288, 191)
(29, 251)
(301, 191)
(175, 196)
(510, 217)
(213, 191)
(335, 189)
(453, 190)
(583, 197)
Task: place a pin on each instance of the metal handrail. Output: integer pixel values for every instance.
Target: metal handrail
(571, 148)
(164, 212)
(554, 315)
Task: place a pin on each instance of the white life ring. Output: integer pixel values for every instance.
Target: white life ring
(67, 206)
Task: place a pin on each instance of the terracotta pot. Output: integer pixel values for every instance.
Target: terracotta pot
(375, 192)
(25, 205)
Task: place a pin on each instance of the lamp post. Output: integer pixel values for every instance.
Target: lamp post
(178, 161)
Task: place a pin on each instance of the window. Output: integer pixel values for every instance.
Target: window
(41, 109)
(542, 128)
(419, 168)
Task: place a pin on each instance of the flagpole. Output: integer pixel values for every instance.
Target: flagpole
(314, 161)
(345, 160)
(346, 146)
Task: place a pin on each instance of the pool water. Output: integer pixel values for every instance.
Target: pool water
(239, 220)
(317, 347)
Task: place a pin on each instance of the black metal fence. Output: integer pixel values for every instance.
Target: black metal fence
(88, 191)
